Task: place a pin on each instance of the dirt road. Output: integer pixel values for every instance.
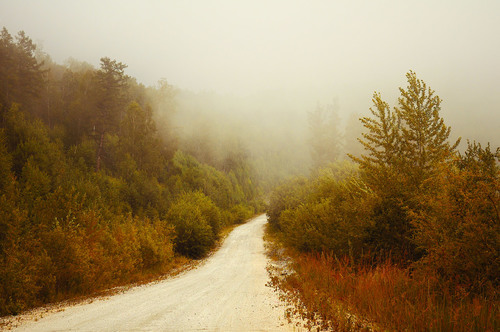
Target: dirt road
(226, 293)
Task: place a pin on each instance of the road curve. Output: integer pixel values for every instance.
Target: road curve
(226, 293)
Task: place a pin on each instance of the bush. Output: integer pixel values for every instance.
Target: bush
(209, 211)
(240, 213)
(327, 212)
(194, 235)
(459, 227)
(288, 195)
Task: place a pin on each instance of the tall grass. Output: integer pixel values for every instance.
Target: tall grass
(348, 296)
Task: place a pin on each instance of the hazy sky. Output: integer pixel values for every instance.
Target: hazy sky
(314, 49)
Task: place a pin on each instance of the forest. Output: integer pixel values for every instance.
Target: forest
(94, 190)
(105, 182)
(405, 235)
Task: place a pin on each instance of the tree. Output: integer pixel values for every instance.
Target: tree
(111, 84)
(78, 104)
(404, 150)
(7, 66)
(325, 138)
(424, 136)
(20, 75)
(380, 170)
(139, 138)
(382, 144)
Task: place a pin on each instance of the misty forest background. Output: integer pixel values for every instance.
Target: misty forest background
(104, 181)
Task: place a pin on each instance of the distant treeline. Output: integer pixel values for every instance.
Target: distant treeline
(93, 191)
(411, 201)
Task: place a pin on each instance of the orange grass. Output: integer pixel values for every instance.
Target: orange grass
(347, 296)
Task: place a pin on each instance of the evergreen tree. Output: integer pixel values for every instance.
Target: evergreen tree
(21, 77)
(7, 76)
(381, 142)
(111, 84)
(404, 150)
(29, 73)
(424, 136)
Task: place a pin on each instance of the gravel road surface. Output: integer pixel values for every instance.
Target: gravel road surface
(228, 292)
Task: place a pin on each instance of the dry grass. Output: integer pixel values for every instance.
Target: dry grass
(339, 295)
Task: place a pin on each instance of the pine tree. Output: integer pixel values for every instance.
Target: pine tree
(29, 73)
(21, 77)
(424, 136)
(111, 84)
(404, 150)
(381, 142)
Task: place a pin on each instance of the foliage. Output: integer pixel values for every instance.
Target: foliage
(92, 193)
(459, 228)
(332, 215)
(415, 201)
(287, 196)
(195, 235)
(21, 77)
(334, 293)
(405, 148)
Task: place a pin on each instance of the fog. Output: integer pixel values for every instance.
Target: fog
(262, 65)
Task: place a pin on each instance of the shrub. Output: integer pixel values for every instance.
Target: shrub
(240, 213)
(194, 235)
(286, 196)
(459, 227)
(209, 211)
(329, 212)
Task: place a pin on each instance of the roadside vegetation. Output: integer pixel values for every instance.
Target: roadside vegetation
(94, 191)
(406, 236)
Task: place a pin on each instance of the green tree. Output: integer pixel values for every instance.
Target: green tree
(21, 77)
(29, 74)
(404, 151)
(381, 141)
(139, 138)
(7, 67)
(78, 101)
(111, 83)
(424, 136)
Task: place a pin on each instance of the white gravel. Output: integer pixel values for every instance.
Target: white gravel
(226, 293)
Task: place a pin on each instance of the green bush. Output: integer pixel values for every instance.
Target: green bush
(332, 217)
(459, 228)
(240, 213)
(194, 235)
(288, 195)
(209, 211)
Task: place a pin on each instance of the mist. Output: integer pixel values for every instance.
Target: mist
(251, 71)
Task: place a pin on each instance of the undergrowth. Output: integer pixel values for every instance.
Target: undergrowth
(341, 295)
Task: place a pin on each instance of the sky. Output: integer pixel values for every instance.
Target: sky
(312, 50)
